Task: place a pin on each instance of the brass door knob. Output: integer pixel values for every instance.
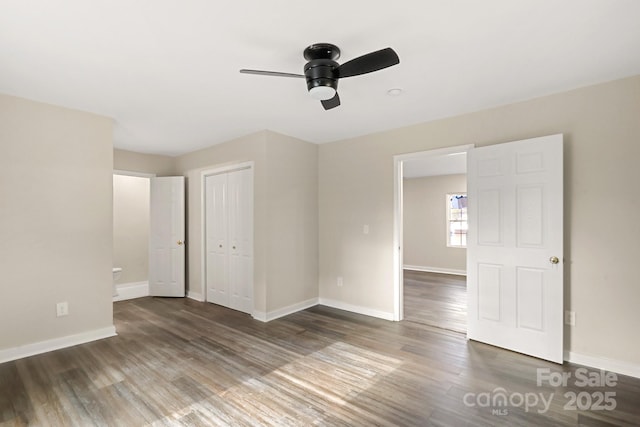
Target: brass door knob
(180, 242)
(554, 260)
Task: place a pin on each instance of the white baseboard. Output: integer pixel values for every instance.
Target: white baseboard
(284, 311)
(195, 296)
(259, 315)
(131, 290)
(617, 366)
(436, 270)
(55, 344)
(356, 309)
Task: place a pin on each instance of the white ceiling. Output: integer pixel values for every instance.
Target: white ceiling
(167, 70)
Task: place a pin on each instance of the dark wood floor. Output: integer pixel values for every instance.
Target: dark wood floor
(436, 299)
(177, 362)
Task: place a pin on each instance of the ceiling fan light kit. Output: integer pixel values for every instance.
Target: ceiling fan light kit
(322, 93)
(322, 72)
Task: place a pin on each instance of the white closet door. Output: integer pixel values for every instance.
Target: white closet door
(229, 239)
(240, 210)
(217, 242)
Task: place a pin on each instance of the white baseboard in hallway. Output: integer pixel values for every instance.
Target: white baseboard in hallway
(131, 290)
(427, 269)
(195, 296)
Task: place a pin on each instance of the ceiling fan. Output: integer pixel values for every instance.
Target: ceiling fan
(322, 72)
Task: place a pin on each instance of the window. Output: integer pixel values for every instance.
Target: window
(457, 220)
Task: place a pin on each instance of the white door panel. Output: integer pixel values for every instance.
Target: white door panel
(515, 293)
(229, 231)
(166, 237)
(241, 235)
(216, 244)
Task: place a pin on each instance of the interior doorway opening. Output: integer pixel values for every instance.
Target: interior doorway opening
(131, 210)
(430, 274)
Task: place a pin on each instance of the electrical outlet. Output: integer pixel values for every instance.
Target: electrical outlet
(339, 282)
(570, 318)
(365, 229)
(62, 309)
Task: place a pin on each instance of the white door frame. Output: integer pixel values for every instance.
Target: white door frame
(144, 289)
(398, 163)
(216, 170)
(133, 173)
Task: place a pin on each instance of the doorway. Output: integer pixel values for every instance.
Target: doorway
(131, 209)
(514, 268)
(430, 282)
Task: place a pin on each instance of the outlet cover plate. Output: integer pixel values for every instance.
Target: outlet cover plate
(62, 309)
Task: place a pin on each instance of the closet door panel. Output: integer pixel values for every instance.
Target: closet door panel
(240, 227)
(217, 244)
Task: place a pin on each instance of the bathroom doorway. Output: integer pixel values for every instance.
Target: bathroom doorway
(131, 211)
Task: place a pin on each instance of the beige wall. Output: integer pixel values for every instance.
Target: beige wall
(292, 205)
(55, 221)
(425, 223)
(285, 215)
(250, 148)
(131, 227)
(602, 132)
(145, 163)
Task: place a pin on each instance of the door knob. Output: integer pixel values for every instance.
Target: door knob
(180, 242)
(554, 260)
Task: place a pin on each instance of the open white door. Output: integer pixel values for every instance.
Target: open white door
(166, 237)
(515, 248)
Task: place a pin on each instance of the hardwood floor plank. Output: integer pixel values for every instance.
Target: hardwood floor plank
(436, 299)
(14, 399)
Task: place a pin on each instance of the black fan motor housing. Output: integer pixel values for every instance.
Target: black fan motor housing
(321, 51)
(320, 72)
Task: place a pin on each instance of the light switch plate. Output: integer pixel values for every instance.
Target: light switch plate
(570, 318)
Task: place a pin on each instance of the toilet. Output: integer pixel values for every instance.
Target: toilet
(117, 271)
